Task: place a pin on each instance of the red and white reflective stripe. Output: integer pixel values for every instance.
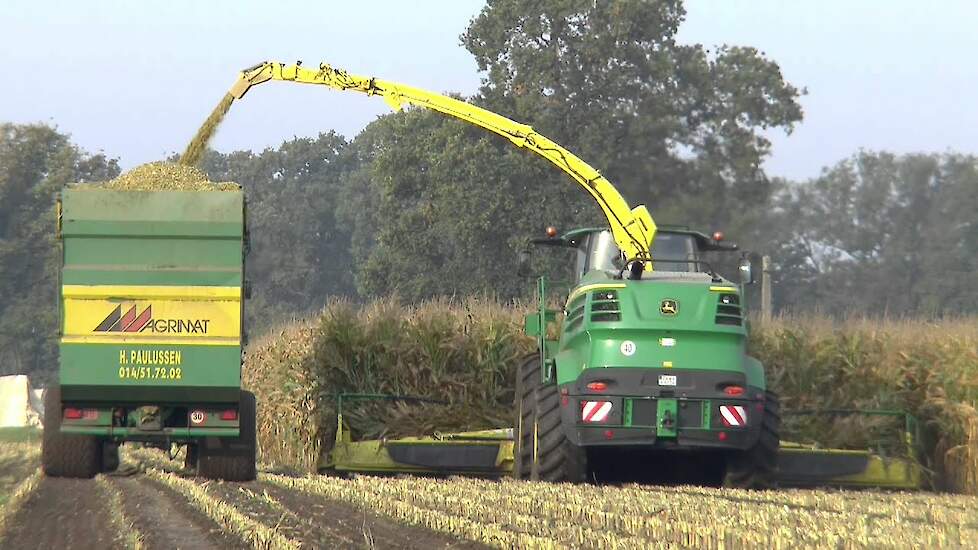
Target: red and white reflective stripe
(733, 416)
(595, 411)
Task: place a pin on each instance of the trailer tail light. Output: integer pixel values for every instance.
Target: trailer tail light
(597, 386)
(230, 414)
(733, 391)
(595, 411)
(72, 413)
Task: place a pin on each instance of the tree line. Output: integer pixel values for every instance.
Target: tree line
(420, 205)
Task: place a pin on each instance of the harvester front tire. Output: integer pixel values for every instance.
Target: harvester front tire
(527, 380)
(232, 459)
(557, 458)
(757, 467)
(78, 456)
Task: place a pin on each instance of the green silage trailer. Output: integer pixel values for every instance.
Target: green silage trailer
(151, 307)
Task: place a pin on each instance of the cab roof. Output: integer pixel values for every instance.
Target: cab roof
(574, 237)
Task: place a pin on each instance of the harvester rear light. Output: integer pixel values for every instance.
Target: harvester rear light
(230, 414)
(597, 386)
(734, 391)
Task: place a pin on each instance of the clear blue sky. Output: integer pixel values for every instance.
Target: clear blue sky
(135, 79)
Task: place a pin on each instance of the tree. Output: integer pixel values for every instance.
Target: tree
(299, 255)
(36, 161)
(441, 209)
(677, 126)
(883, 234)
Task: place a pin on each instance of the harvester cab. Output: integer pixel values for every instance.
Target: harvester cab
(644, 361)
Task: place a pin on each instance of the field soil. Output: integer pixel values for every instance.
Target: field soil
(320, 523)
(61, 513)
(70, 513)
(154, 504)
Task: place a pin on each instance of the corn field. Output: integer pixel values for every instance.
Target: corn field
(464, 353)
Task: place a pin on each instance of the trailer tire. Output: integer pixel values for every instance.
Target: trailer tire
(557, 458)
(757, 467)
(232, 459)
(110, 455)
(190, 457)
(527, 380)
(62, 455)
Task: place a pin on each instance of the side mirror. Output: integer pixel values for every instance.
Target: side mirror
(746, 271)
(523, 264)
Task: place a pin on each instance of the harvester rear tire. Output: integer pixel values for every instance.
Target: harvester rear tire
(62, 455)
(527, 380)
(757, 467)
(232, 459)
(557, 458)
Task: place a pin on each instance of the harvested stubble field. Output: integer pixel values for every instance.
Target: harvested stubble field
(157, 506)
(464, 353)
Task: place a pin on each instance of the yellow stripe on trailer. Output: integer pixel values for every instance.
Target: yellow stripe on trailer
(127, 339)
(184, 293)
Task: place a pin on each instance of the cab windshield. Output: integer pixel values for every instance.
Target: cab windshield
(598, 251)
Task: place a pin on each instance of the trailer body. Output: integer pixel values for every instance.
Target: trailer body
(151, 309)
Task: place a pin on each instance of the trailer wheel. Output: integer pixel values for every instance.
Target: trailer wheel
(231, 459)
(190, 457)
(527, 380)
(757, 467)
(556, 458)
(110, 456)
(62, 455)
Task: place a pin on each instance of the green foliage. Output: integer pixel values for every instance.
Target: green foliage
(882, 234)
(676, 126)
(20, 435)
(35, 162)
(300, 254)
(441, 209)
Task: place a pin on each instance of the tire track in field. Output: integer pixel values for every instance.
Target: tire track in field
(166, 520)
(364, 527)
(61, 513)
(254, 500)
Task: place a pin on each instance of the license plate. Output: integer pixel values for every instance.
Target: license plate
(667, 380)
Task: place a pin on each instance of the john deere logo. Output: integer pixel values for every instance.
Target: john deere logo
(117, 321)
(669, 307)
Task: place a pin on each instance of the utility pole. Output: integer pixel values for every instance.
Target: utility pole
(766, 306)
